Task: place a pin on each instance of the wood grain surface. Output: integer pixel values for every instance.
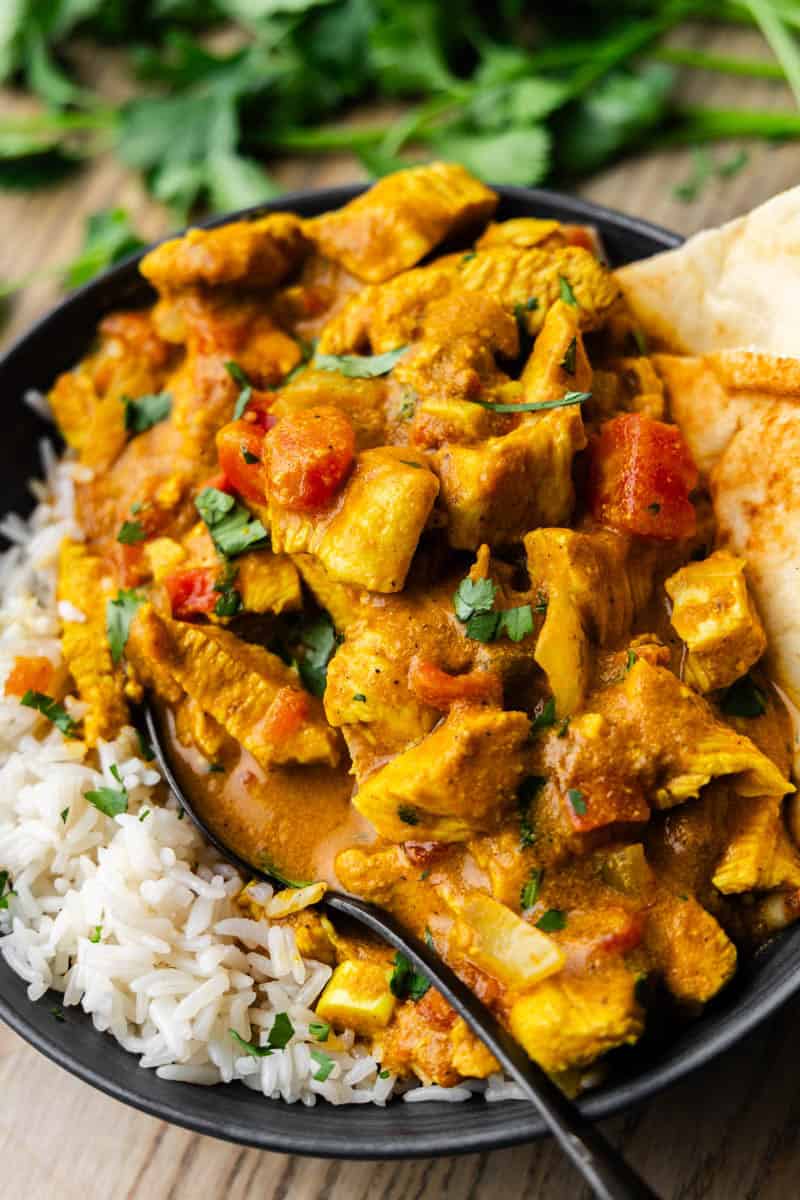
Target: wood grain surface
(728, 1133)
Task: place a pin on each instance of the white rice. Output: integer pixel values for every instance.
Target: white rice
(133, 918)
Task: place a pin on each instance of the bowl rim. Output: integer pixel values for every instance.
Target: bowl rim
(174, 1102)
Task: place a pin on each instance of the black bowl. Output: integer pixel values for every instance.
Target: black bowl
(234, 1112)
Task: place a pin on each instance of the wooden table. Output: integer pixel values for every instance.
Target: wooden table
(729, 1133)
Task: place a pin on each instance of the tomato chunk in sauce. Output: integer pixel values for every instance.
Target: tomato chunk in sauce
(240, 447)
(308, 457)
(641, 474)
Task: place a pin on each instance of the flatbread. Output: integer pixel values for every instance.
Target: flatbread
(736, 287)
(726, 304)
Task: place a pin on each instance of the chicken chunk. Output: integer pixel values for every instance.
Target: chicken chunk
(341, 601)
(499, 490)
(595, 584)
(369, 535)
(569, 1021)
(522, 232)
(268, 582)
(532, 278)
(401, 218)
(759, 856)
(386, 315)
(713, 612)
(242, 686)
(695, 955)
(262, 252)
(558, 363)
(458, 779)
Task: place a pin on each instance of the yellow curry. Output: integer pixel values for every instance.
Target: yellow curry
(387, 511)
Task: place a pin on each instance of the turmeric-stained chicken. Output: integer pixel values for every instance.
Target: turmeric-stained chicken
(386, 512)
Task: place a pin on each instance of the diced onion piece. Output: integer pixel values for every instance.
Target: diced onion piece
(497, 940)
(292, 900)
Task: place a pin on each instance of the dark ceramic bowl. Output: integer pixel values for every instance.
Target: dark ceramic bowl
(234, 1112)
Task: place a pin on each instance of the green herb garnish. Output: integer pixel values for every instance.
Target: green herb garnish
(405, 982)
(408, 814)
(144, 412)
(5, 889)
(360, 697)
(246, 393)
(249, 458)
(545, 717)
(568, 361)
(64, 814)
(565, 292)
(131, 532)
(530, 889)
(281, 1032)
(51, 709)
(318, 640)
(360, 366)
(325, 1064)
(250, 1047)
(233, 529)
(577, 802)
(551, 921)
(528, 790)
(744, 698)
(319, 1030)
(110, 801)
(119, 614)
(535, 405)
(96, 934)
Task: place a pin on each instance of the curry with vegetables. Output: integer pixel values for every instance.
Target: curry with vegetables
(387, 510)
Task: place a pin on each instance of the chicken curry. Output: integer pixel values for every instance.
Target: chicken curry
(387, 510)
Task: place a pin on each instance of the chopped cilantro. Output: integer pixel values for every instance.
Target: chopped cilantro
(528, 790)
(119, 613)
(131, 532)
(384, 1074)
(474, 596)
(111, 801)
(530, 890)
(64, 814)
(4, 895)
(325, 1064)
(233, 529)
(429, 942)
(58, 1012)
(516, 623)
(744, 698)
(144, 412)
(51, 709)
(318, 639)
(468, 257)
(216, 769)
(551, 921)
(565, 292)
(483, 627)
(145, 749)
(577, 802)
(474, 601)
(535, 405)
(631, 658)
(545, 717)
(405, 982)
(408, 814)
(360, 366)
(360, 697)
(246, 388)
(654, 508)
(144, 814)
(568, 361)
(409, 405)
(563, 727)
(407, 462)
(96, 934)
(320, 1030)
(250, 1047)
(229, 603)
(249, 458)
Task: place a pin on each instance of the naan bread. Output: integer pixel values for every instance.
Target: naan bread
(736, 287)
(727, 304)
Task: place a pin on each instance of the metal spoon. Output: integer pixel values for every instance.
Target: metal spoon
(603, 1167)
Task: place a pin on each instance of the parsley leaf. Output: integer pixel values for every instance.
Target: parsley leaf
(325, 1064)
(360, 366)
(238, 375)
(108, 238)
(530, 889)
(545, 717)
(405, 982)
(144, 412)
(232, 527)
(131, 532)
(51, 709)
(577, 802)
(551, 921)
(119, 613)
(744, 698)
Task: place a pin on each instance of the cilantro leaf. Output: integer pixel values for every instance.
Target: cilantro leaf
(524, 406)
(232, 527)
(281, 1032)
(568, 361)
(551, 921)
(238, 375)
(565, 292)
(119, 613)
(110, 801)
(529, 893)
(577, 802)
(131, 533)
(483, 627)
(744, 698)
(96, 934)
(51, 709)
(545, 717)
(408, 814)
(318, 641)
(516, 623)
(474, 596)
(144, 412)
(108, 238)
(250, 1047)
(405, 982)
(4, 895)
(359, 366)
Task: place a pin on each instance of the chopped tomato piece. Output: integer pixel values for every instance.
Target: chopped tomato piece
(584, 236)
(308, 456)
(640, 477)
(437, 688)
(192, 591)
(240, 447)
(29, 674)
(286, 715)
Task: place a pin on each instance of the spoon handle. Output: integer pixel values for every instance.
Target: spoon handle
(601, 1165)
